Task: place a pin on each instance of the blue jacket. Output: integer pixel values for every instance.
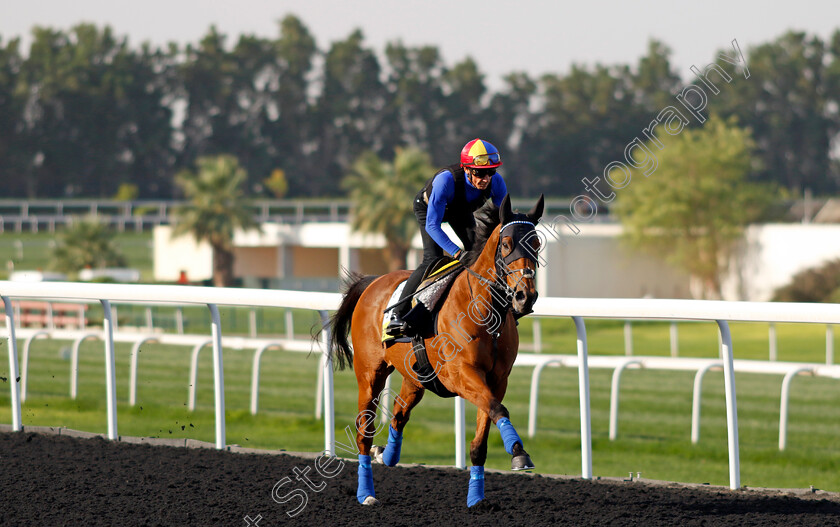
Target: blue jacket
(443, 191)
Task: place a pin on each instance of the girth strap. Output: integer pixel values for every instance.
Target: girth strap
(425, 373)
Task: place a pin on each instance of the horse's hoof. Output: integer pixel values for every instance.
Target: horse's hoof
(370, 501)
(521, 462)
(376, 454)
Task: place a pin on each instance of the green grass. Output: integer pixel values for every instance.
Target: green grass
(31, 251)
(654, 421)
(795, 342)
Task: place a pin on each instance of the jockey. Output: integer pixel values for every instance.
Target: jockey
(451, 196)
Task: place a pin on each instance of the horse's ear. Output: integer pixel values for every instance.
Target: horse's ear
(505, 214)
(537, 212)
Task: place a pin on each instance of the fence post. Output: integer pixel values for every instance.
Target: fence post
(460, 454)
(696, 399)
(194, 373)
(74, 362)
(616, 384)
(290, 325)
(50, 317)
(255, 375)
(537, 329)
(829, 344)
(628, 338)
(731, 405)
(17, 425)
(319, 387)
(535, 394)
(179, 320)
(771, 337)
(252, 323)
(132, 376)
(218, 375)
(785, 400)
(385, 400)
(329, 408)
(675, 340)
(585, 417)
(24, 361)
(110, 375)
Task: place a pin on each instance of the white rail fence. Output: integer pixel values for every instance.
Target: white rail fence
(137, 340)
(143, 294)
(772, 341)
(149, 324)
(576, 308)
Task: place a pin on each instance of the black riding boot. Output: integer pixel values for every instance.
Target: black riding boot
(398, 326)
(403, 315)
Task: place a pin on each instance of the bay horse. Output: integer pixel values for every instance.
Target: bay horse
(472, 354)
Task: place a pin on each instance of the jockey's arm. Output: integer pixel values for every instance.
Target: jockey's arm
(443, 190)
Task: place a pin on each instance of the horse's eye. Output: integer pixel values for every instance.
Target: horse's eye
(507, 246)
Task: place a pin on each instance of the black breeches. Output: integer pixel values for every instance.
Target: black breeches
(431, 250)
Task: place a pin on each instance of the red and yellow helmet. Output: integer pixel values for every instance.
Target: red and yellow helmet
(480, 154)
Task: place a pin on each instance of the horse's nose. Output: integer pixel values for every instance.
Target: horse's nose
(519, 296)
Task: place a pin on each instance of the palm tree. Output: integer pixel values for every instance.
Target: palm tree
(215, 209)
(86, 243)
(383, 196)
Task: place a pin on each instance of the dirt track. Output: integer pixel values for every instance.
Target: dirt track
(57, 480)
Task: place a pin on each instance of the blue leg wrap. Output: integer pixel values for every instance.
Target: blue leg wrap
(509, 435)
(365, 479)
(476, 492)
(391, 455)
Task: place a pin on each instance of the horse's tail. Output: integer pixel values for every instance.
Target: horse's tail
(354, 285)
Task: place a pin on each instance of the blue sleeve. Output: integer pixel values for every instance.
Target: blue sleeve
(443, 190)
(498, 189)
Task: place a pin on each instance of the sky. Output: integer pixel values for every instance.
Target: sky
(501, 36)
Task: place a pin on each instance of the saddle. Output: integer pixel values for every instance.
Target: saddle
(436, 281)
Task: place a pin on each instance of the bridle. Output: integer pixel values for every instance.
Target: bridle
(521, 230)
(518, 252)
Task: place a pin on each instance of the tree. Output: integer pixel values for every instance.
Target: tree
(13, 158)
(790, 104)
(816, 284)
(414, 79)
(587, 119)
(695, 205)
(383, 197)
(463, 86)
(228, 98)
(86, 243)
(507, 119)
(94, 115)
(348, 114)
(216, 208)
(654, 81)
(288, 127)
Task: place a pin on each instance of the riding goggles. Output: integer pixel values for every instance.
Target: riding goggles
(482, 160)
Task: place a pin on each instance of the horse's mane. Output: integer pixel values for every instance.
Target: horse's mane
(486, 219)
